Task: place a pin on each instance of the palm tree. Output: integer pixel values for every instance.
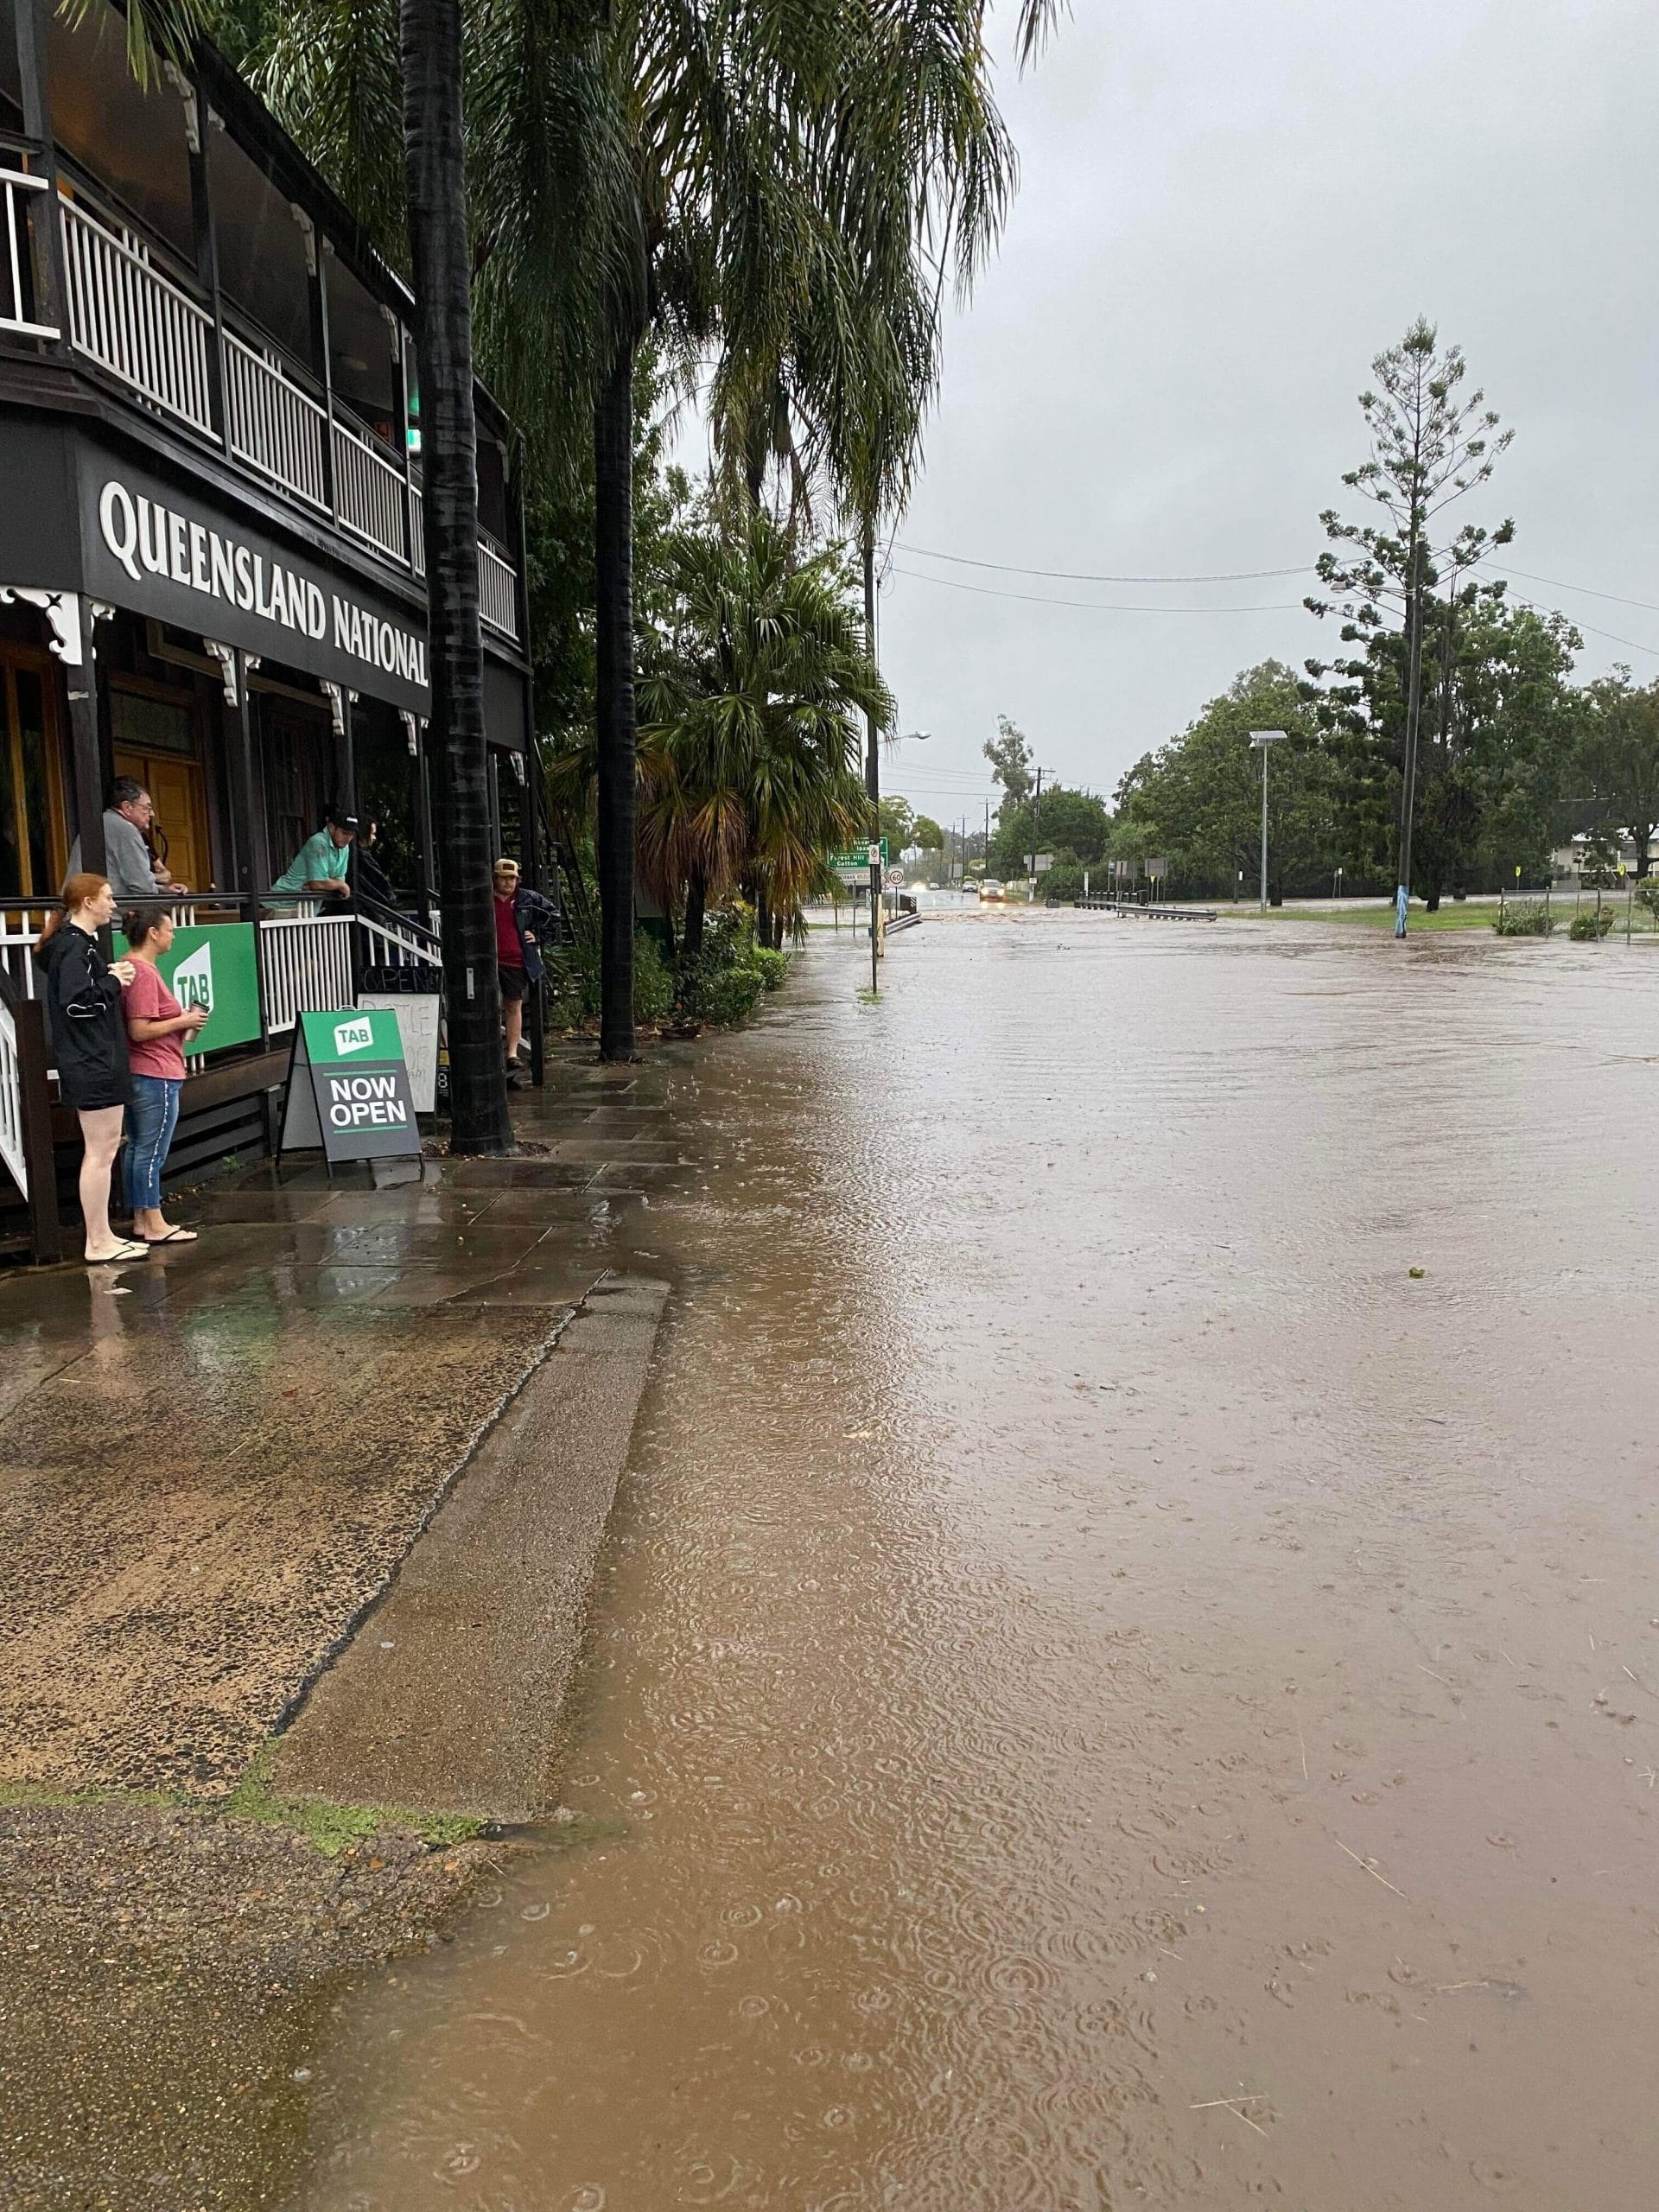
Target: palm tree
(441, 262)
(749, 741)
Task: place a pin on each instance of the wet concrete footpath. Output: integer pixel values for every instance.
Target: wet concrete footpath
(1107, 1688)
(214, 1466)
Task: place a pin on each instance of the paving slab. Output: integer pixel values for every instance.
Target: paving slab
(446, 1698)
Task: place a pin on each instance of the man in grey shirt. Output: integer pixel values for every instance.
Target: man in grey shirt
(127, 861)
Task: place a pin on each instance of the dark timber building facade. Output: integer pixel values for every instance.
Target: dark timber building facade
(211, 550)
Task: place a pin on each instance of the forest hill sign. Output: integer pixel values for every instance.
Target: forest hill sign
(145, 537)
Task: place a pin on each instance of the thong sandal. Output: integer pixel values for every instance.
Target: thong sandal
(132, 1250)
(172, 1237)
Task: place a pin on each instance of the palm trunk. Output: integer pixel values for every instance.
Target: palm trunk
(442, 265)
(696, 905)
(613, 639)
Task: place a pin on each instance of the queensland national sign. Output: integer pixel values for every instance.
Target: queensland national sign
(172, 554)
(348, 1092)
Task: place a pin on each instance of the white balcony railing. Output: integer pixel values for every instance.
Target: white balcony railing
(274, 424)
(142, 328)
(305, 966)
(22, 922)
(368, 494)
(135, 323)
(16, 186)
(11, 1101)
(497, 592)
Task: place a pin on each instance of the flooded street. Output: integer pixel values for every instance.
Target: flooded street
(1108, 1688)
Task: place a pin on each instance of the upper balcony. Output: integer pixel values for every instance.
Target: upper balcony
(178, 244)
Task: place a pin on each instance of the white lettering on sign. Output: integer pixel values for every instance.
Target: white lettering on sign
(145, 537)
(365, 1102)
(352, 1036)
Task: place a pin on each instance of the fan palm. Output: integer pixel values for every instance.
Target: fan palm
(749, 736)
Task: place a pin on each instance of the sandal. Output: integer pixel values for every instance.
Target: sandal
(128, 1251)
(172, 1237)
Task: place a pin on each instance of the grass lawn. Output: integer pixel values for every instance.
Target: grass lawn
(1471, 914)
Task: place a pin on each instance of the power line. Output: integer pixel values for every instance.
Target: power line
(1555, 584)
(1093, 605)
(1078, 576)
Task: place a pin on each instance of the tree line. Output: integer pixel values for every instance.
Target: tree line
(1444, 744)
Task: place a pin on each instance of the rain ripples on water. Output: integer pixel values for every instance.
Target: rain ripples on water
(1080, 1613)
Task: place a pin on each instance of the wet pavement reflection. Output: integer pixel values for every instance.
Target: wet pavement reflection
(1108, 1688)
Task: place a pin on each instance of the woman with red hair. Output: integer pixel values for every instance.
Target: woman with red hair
(89, 1044)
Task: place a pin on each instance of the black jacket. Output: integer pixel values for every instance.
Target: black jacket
(83, 1007)
(539, 917)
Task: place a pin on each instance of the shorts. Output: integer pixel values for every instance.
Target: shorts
(515, 984)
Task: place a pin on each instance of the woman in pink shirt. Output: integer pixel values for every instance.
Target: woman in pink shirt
(158, 1028)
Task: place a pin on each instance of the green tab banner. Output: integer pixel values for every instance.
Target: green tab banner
(216, 966)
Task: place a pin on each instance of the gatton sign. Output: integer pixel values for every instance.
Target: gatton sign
(147, 548)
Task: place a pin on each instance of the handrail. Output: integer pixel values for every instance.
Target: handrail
(16, 264)
(26, 1116)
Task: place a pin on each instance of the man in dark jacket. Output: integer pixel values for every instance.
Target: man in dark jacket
(523, 920)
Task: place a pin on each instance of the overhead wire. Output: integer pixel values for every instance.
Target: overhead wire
(1090, 606)
(1080, 576)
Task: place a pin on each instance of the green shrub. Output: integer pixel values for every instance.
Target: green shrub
(654, 982)
(573, 982)
(773, 967)
(1525, 917)
(722, 995)
(1590, 925)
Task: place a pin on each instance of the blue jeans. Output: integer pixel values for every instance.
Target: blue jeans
(151, 1119)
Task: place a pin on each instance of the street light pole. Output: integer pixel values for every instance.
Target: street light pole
(1262, 739)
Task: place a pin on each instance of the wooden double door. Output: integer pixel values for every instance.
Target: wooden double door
(34, 844)
(156, 739)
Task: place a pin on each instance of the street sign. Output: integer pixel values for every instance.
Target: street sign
(894, 878)
(348, 1094)
(215, 967)
(858, 857)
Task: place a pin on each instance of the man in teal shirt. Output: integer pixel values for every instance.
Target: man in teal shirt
(318, 869)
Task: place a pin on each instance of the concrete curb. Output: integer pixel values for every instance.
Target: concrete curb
(446, 1698)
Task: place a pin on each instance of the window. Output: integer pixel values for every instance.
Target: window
(262, 253)
(131, 141)
(363, 351)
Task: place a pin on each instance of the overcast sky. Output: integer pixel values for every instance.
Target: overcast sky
(1225, 212)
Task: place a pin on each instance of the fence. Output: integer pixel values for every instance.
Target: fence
(17, 187)
(274, 424)
(135, 323)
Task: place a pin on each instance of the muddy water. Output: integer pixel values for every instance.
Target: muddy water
(1107, 1690)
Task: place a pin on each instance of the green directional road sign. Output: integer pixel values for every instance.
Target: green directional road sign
(858, 857)
(216, 966)
(348, 1091)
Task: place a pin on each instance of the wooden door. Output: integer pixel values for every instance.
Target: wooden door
(180, 794)
(156, 739)
(34, 844)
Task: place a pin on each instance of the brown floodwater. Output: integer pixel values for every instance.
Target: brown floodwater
(1108, 1688)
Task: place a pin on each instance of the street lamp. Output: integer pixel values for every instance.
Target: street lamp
(1262, 739)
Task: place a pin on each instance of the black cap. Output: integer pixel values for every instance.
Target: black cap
(341, 819)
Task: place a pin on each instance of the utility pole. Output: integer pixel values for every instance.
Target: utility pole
(1264, 741)
(1413, 718)
(1036, 811)
(873, 758)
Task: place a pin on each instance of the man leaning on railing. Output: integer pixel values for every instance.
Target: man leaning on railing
(132, 869)
(320, 868)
